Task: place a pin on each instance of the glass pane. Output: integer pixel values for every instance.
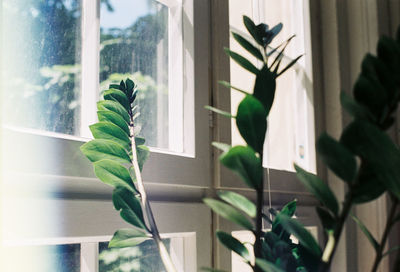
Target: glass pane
(144, 257)
(60, 258)
(134, 43)
(40, 64)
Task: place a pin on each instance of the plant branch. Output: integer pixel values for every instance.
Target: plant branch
(389, 225)
(165, 257)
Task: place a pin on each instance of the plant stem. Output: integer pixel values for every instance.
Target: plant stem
(165, 257)
(337, 232)
(389, 224)
(259, 219)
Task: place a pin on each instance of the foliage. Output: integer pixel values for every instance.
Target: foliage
(118, 155)
(273, 250)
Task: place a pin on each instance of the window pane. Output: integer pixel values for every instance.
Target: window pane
(134, 43)
(40, 64)
(60, 258)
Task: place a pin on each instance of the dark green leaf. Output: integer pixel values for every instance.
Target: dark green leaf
(304, 237)
(130, 86)
(109, 131)
(326, 218)
(114, 86)
(264, 88)
(377, 150)
(337, 157)
(233, 244)
(114, 107)
(393, 249)
(369, 186)
(368, 234)
(126, 200)
(112, 117)
(251, 120)
(290, 208)
(228, 212)
(354, 108)
(248, 46)
(114, 174)
(289, 65)
(221, 112)
(268, 266)
(246, 64)
(318, 188)
(238, 201)
(139, 140)
(128, 238)
(117, 96)
(243, 161)
(251, 28)
(122, 86)
(96, 150)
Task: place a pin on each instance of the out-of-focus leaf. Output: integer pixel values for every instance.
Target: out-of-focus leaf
(229, 86)
(251, 28)
(367, 233)
(354, 108)
(130, 87)
(291, 63)
(242, 61)
(128, 238)
(251, 120)
(228, 212)
(318, 188)
(369, 187)
(221, 112)
(96, 150)
(243, 161)
(290, 208)
(143, 152)
(112, 117)
(109, 131)
(222, 146)
(337, 157)
(233, 244)
(114, 107)
(326, 218)
(114, 174)
(248, 46)
(268, 266)
(238, 201)
(264, 88)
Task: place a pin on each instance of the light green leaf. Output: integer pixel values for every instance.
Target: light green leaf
(228, 212)
(114, 107)
(251, 120)
(246, 64)
(99, 149)
(117, 96)
(304, 237)
(268, 266)
(233, 244)
(222, 146)
(221, 112)
(290, 208)
(264, 88)
(109, 131)
(143, 152)
(229, 86)
(125, 200)
(318, 188)
(337, 157)
(114, 118)
(238, 201)
(114, 174)
(367, 233)
(248, 46)
(128, 238)
(243, 161)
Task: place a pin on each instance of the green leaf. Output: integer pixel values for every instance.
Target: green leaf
(130, 86)
(290, 208)
(318, 188)
(243, 161)
(252, 29)
(251, 120)
(117, 96)
(229, 86)
(99, 149)
(114, 174)
(238, 201)
(109, 131)
(114, 107)
(326, 218)
(377, 150)
(114, 86)
(228, 212)
(293, 62)
(367, 233)
(393, 249)
(264, 88)
(354, 108)
(143, 153)
(337, 157)
(248, 46)
(246, 64)
(304, 237)
(128, 238)
(268, 266)
(114, 118)
(125, 200)
(222, 146)
(233, 244)
(221, 112)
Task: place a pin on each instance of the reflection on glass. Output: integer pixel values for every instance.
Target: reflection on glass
(60, 258)
(134, 43)
(40, 64)
(144, 257)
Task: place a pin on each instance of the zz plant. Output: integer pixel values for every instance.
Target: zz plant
(118, 155)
